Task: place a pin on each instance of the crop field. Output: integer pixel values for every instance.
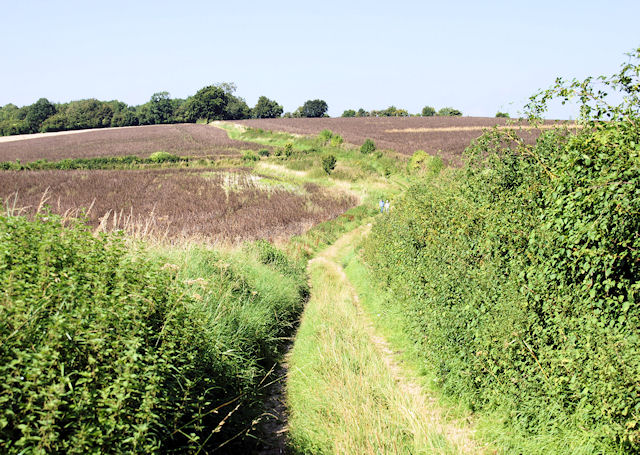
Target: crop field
(444, 136)
(180, 139)
(222, 205)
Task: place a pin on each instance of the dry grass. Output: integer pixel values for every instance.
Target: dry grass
(174, 204)
(182, 139)
(443, 136)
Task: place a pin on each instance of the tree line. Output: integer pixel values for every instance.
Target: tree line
(214, 102)
(393, 111)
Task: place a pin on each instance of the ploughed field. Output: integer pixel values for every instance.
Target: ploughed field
(180, 139)
(212, 205)
(446, 137)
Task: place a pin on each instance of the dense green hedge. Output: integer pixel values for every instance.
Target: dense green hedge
(105, 350)
(108, 162)
(519, 279)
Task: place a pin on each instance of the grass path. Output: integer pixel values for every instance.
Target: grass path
(347, 390)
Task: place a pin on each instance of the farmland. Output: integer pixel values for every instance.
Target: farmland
(446, 137)
(181, 139)
(229, 205)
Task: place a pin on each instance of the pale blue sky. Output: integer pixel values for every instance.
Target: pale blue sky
(479, 57)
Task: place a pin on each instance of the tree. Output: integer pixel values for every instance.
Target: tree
(314, 108)
(502, 115)
(449, 112)
(208, 103)
(266, 108)
(236, 109)
(329, 164)
(362, 113)
(160, 108)
(349, 113)
(428, 111)
(38, 112)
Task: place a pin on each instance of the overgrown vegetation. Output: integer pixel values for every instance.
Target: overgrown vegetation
(518, 276)
(106, 350)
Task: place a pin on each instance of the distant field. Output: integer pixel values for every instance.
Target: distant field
(444, 136)
(226, 205)
(182, 139)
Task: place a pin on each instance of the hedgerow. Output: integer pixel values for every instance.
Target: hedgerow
(518, 275)
(105, 350)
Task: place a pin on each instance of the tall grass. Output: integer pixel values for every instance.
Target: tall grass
(105, 348)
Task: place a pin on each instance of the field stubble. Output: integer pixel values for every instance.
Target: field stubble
(180, 139)
(225, 206)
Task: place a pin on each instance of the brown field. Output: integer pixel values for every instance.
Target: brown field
(182, 139)
(443, 136)
(223, 205)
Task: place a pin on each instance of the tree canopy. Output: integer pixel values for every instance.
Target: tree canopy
(266, 108)
(314, 108)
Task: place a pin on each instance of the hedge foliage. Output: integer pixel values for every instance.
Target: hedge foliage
(104, 350)
(519, 276)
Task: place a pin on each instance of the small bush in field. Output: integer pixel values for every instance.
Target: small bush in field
(250, 156)
(325, 136)
(336, 140)
(288, 149)
(264, 152)
(163, 157)
(368, 147)
(329, 164)
(423, 163)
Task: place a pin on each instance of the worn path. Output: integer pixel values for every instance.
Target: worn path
(348, 389)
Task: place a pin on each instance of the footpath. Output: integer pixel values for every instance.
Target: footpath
(348, 391)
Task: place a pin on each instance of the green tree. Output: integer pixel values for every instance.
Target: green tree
(449, 112)
(208, 103)
(502, 115)
(266, 108)
(314, 108)
(362, 113)
(428, 111)
(38, 112)
(349, 113)
(160, 108)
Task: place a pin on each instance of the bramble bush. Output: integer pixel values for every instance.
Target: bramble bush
(105, 350)
(518, 275)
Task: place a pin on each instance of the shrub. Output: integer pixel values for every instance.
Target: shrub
(336, 140)
(449, 111)
(428, 111)
(423, 163)
(264, 152)
(163, 157)
(328, 164)
(250, 155)
(325, 136)
(518, 276)
(106, 350)
(368, 147)
(288, 149)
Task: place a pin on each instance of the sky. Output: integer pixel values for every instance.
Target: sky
(477, 56)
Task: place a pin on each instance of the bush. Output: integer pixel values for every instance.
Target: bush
(103, 350)
(264, 152)
(288, 149)
(423, 163)
(336, 140)
(428, 111)
(328, 164)
(518, 276)
(449, 111)
(368, 147)
(250, 155)
(325, 136)
(163, 157)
